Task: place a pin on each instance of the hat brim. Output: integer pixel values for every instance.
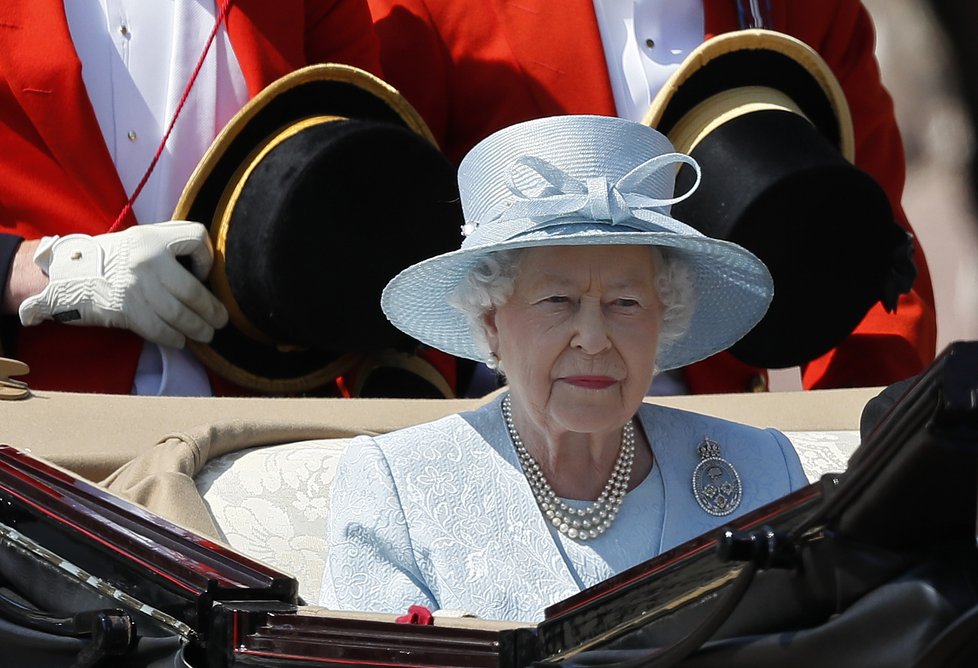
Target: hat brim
(318, 90)
(733, 288)
(756, 58)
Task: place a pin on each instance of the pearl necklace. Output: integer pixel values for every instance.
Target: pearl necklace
(580, 523)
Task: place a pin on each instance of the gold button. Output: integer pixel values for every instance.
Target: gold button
(124, 30)
(76, 255)
(649, 42)
(132, 135)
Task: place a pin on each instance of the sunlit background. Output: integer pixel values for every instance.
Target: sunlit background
(923, 77)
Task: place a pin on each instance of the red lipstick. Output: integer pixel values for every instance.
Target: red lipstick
(590, 382)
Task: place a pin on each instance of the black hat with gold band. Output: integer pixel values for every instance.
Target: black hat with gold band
(316, 193)
(769, 125)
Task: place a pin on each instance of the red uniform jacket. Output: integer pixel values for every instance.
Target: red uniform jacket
(57, 176)
(473, 67)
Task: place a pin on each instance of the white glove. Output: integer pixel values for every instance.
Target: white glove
(130, 279)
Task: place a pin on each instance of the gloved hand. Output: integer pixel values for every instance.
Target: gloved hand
(130, 279)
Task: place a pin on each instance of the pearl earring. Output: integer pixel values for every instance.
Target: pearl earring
(493, 361)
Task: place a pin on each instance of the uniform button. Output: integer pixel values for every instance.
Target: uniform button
(132, 135)
(649, 42)
(124, 30)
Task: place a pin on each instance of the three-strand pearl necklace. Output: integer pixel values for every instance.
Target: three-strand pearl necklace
(578, 523)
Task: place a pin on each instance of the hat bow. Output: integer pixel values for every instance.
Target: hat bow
(561, 196)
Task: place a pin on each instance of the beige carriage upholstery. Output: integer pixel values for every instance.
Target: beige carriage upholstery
(255, 472)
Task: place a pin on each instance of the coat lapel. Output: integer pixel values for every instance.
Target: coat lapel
(521, 507)
(755, 455)
(675, 457)
(678, 435)
(254, 26)
(559, 46)
(47, 83)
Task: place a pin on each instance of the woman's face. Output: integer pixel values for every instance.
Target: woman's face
(577, 338)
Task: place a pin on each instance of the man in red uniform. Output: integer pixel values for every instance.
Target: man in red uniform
(86, 92)
(473, 68)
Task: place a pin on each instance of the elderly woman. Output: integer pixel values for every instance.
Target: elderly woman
(573, 281)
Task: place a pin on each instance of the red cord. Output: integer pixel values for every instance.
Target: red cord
(120, 221)
(342, 388)
(417, 614)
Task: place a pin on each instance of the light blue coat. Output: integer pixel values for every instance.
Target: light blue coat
(441, 515)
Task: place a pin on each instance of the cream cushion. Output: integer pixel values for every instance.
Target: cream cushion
(824, 452)
(271, 503)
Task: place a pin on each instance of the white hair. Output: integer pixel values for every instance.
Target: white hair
(490, 283)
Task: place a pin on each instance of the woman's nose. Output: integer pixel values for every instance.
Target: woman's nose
(590, 328)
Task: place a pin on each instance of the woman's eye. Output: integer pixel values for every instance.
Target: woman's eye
(556, 299)
(626, 303)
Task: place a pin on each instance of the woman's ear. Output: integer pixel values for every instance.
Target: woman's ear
(492, 332)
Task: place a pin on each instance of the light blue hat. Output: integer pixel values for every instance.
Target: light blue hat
(577, 181)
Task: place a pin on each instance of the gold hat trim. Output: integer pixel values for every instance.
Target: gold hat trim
(313, 73)
(715, 111)
(222, 222)
(768, 40)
